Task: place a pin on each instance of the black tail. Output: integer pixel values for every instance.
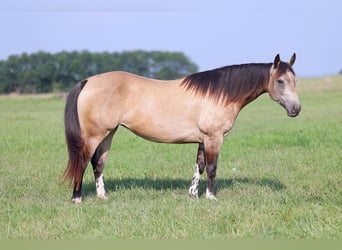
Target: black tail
(78, 153)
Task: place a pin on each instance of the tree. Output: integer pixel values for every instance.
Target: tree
(10, 71)
(43, 72)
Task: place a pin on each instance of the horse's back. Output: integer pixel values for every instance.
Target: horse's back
(124, 84)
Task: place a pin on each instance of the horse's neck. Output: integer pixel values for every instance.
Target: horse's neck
(252, 96)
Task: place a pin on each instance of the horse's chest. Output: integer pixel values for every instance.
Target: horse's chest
(217, 121)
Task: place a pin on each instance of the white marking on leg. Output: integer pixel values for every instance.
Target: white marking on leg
(77, 200)
(100, 188)
(193, 190)
(209, 195)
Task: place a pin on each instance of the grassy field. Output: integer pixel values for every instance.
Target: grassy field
(277, 177)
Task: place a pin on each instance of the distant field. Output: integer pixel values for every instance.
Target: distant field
(277, 177)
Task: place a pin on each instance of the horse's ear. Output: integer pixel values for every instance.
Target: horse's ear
(276, 61)
(293, 59)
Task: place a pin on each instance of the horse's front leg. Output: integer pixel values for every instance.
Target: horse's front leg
(199, 169)
(212, 149)
(211, 173)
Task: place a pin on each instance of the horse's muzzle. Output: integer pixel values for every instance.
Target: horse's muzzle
(294, 110)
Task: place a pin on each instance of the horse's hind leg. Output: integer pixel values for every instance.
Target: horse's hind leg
(199, 169)
(98, 161)
(77, 192)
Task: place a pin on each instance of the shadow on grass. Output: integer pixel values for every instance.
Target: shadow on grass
(113, 185)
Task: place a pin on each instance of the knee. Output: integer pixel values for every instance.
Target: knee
(211, 171)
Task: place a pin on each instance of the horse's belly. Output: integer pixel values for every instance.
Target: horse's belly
(158, 120)
(168, 132)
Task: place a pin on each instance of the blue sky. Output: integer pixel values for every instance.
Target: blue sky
(213, 33)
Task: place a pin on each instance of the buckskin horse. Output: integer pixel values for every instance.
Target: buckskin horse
(199, 108)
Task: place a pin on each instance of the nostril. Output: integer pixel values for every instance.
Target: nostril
(296, 109)
(299, 108)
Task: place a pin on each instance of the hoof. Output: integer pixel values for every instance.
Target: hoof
(194, 196)
(209, 195)
(102, 196)
(77, 200)
(193, 192)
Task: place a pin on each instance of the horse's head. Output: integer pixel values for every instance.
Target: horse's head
(282, 85)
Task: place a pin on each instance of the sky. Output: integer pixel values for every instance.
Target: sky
(212, 33)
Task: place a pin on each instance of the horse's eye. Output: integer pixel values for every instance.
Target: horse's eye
(280, 81)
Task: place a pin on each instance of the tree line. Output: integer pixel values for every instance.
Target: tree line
(43, 72)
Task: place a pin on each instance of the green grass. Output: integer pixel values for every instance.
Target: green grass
(277, 177)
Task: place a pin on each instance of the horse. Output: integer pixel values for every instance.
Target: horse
(199, 108)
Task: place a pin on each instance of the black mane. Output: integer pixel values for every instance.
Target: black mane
(233, 83)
